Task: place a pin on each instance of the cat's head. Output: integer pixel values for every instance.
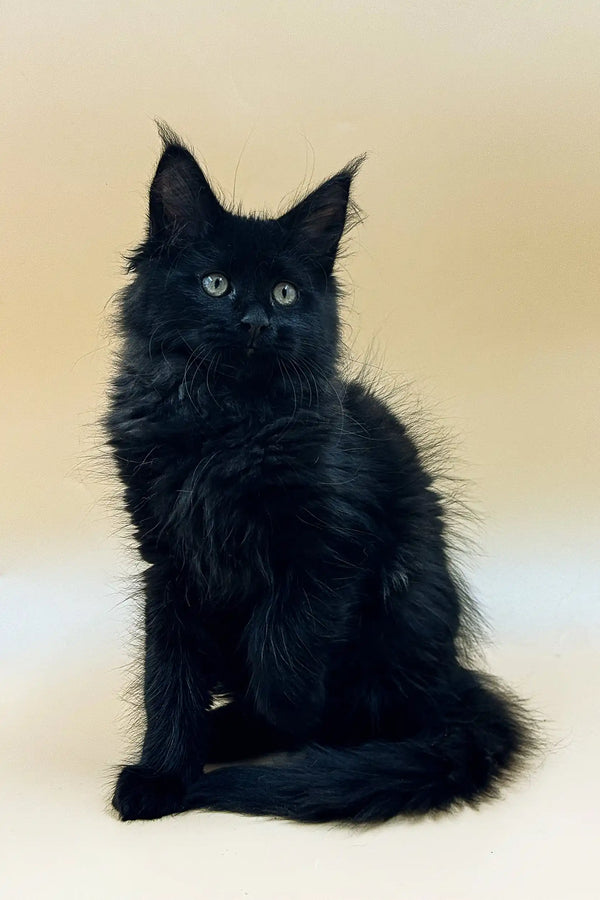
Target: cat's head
(248, 291)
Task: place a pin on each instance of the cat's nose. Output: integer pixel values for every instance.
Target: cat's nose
(255, 322)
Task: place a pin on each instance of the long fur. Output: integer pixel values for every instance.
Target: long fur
(296, 548)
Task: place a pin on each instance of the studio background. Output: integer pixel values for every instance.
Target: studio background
(474, 278)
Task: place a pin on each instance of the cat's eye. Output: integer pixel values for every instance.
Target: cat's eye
(215, 284)
(284, 293)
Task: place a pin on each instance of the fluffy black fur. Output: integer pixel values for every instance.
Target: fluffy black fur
(296, 548)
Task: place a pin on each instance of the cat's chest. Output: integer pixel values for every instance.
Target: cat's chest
(235, 454)
(237, 460)
(228, 506)
(237, 481)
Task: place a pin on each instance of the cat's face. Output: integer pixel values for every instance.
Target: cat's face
(242, 293)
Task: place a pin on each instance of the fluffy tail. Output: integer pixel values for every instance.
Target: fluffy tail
(464, 759)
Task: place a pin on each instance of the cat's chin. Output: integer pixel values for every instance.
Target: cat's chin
(247, 364)
(252, 356)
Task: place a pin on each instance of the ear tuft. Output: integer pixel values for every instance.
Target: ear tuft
(168, 136)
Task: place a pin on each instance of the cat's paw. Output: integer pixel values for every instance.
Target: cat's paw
(143, 793)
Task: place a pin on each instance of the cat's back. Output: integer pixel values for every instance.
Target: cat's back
(381, 470)
(373, 428)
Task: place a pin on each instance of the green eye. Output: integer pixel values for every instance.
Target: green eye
(215, 284)
(284, 293)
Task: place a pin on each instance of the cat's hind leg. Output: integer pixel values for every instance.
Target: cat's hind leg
(236, 733)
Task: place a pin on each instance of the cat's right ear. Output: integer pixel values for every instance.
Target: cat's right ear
(182, 203)
(318, 221)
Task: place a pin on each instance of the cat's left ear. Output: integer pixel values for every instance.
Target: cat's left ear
(319, 220)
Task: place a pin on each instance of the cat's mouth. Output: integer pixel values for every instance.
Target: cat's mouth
(253, 347)
(255, 350)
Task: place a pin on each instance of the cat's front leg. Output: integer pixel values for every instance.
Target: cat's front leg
(289, 640)
(176, 700)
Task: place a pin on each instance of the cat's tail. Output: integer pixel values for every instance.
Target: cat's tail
(464, 759)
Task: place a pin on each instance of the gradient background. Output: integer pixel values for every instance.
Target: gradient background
(474, 278)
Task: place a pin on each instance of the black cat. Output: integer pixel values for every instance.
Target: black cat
(297, 562)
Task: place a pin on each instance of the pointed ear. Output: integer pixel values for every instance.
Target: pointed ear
(319, 220)
(182, 203)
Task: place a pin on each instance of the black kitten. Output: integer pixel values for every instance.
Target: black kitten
(297, 562)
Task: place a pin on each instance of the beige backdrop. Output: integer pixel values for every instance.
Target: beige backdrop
(476, 271)
(475, 275)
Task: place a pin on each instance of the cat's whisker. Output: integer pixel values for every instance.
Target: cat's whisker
(215, 356)
(293, 387)
(302, 379)
(196, 360)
